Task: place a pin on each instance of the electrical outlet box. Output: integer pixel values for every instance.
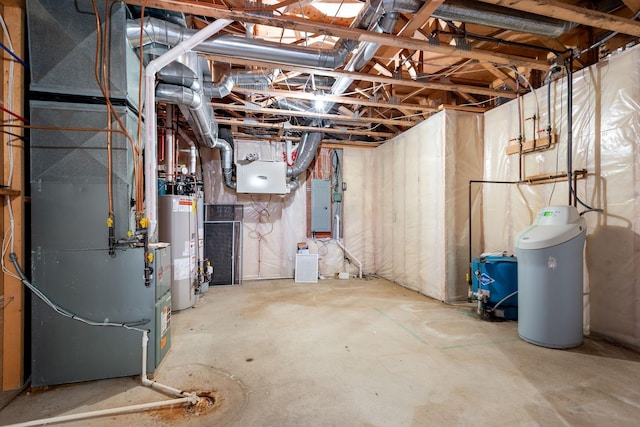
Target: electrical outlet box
(337, 197)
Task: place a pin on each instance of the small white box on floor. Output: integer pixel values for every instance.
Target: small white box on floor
(343, 275)
(306, 268)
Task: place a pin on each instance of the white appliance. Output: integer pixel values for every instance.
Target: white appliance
(261, 177)
(550, 263)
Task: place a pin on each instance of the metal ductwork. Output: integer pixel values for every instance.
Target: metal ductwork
(379, 16)
(223, 87)
(200, 115)
(178, 74)
(307, 149)
(166, 33)
(475, 12)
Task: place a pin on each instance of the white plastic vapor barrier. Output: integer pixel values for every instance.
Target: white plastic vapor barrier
(419, 203)
(359, 203)
(273, 224)
(606, 125)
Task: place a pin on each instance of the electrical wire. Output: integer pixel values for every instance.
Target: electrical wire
(15, 135)
(264, 216)
(15, 57)
(66, 313)
(22, 119)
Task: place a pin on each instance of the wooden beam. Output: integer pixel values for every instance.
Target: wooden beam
(420, 18)
(633, 5)
(11, 289)
(334, 117)
(287, 126)
(331, 98)
(350, 144)
(369, 77)
(571, 13)
(417, 21)
(282, 4)
(468, 109)
(542, 143)
(13, 3)
(301, 24)
(502, 76)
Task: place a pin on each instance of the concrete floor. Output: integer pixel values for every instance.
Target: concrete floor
(358, 353)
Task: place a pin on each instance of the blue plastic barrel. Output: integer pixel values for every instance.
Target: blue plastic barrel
(497, 278)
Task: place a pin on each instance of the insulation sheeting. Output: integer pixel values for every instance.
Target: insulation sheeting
(273, 224)
(360, 207)
(421, 223)
(606, 123)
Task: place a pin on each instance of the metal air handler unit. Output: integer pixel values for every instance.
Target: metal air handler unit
(550, 264)
(73, 260)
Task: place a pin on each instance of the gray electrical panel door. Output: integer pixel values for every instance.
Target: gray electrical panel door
(320, 205)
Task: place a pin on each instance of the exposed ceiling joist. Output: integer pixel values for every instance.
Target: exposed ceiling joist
(336, 117)
(301, 24)
(420, 67)
(633, 5)
(296, 128)
(332, 98)
(370, 77)
(571, 13)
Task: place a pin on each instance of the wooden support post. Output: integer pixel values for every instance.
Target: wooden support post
(11, 289)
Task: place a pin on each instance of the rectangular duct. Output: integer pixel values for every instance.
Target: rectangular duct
(62, 49)
(69, 175)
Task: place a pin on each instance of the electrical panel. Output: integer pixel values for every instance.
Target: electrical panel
(320, 205)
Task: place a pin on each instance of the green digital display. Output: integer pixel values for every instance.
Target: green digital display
(548, 213)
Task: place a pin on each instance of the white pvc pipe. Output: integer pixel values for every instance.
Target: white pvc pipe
(193, 397)
(345, 249)
(170, 145)
(150, 124)
(181, 397)
(102, 413)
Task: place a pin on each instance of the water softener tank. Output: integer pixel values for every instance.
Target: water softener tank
(550, 262)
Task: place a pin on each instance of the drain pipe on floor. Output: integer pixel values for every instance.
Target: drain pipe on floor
(346, 251)
(181, 397)
(101, 413)
(192, 398)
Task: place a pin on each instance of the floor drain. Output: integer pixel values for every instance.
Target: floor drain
(206, 402)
